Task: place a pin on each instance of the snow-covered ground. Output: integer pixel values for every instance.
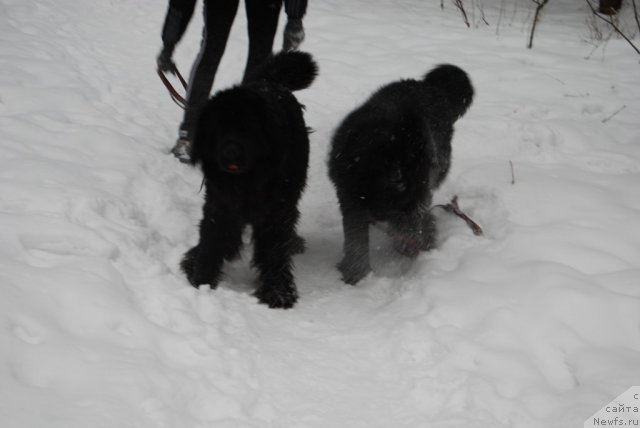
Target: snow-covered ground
(536, 324)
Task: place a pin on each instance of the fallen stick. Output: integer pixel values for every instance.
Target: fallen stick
(513, 175)
(608, 118)
(454, 208)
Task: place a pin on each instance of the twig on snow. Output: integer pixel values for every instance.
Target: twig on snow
(608, 118)
(459, 5)
(483, 17)
(513, 175)
(453, 208)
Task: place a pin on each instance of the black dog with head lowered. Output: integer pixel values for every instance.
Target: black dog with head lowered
(252, 144)
(388, 156)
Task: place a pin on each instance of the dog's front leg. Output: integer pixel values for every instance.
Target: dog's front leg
(355, 264)
(272, 256)
(203, 263)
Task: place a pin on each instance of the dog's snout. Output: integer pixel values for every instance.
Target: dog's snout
(231, 151)
(232, 157)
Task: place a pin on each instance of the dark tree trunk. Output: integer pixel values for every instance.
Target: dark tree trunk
(609, 7)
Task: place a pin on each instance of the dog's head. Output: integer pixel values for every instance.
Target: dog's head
(232, 136)
(454, 87)
(238, 152)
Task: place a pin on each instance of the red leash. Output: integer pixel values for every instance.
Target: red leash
(175, 96)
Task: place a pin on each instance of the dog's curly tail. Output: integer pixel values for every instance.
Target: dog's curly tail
(295, 70)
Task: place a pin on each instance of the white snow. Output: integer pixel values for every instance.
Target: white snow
(536, 324)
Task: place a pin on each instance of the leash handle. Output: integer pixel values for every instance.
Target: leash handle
(177, 73)
(175, 96)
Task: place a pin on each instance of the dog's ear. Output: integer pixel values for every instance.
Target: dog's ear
(201, 137)
(196, 155)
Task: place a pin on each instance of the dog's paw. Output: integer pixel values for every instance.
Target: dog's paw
(188, 263)
(283, 297)
(195, 278)
(351, 272)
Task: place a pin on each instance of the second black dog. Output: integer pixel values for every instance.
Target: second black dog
(252, 144)
(389, 155)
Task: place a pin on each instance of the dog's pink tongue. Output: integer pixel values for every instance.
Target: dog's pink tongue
(232, 167)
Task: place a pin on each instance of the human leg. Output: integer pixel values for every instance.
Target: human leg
(262, 23)
(218, 18)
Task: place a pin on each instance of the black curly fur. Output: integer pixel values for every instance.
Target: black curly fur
(252, 144)
(388, 156)
(295, 70)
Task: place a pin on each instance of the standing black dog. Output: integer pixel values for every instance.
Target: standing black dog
(252, 144)
(389, 155)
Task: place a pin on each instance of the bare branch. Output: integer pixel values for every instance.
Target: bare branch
(604, 44)
(459, 5)
(635, 13)
(484, 19)
(453, 208)
(540, 4)
(614, 26)
(482, 16)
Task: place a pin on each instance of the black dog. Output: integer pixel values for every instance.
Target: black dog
(388, 156)
(252, 144)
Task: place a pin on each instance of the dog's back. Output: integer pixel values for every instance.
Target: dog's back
(389, 153)
(386, 158)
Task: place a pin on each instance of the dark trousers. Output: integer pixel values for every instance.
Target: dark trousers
(262, 22)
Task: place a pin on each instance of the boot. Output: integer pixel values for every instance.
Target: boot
(182, 149)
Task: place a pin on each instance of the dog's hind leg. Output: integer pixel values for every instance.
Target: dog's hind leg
(355, 264)
(428, 238)
(272, 256)
(297, 245)
(188, 262)
(407, 233)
